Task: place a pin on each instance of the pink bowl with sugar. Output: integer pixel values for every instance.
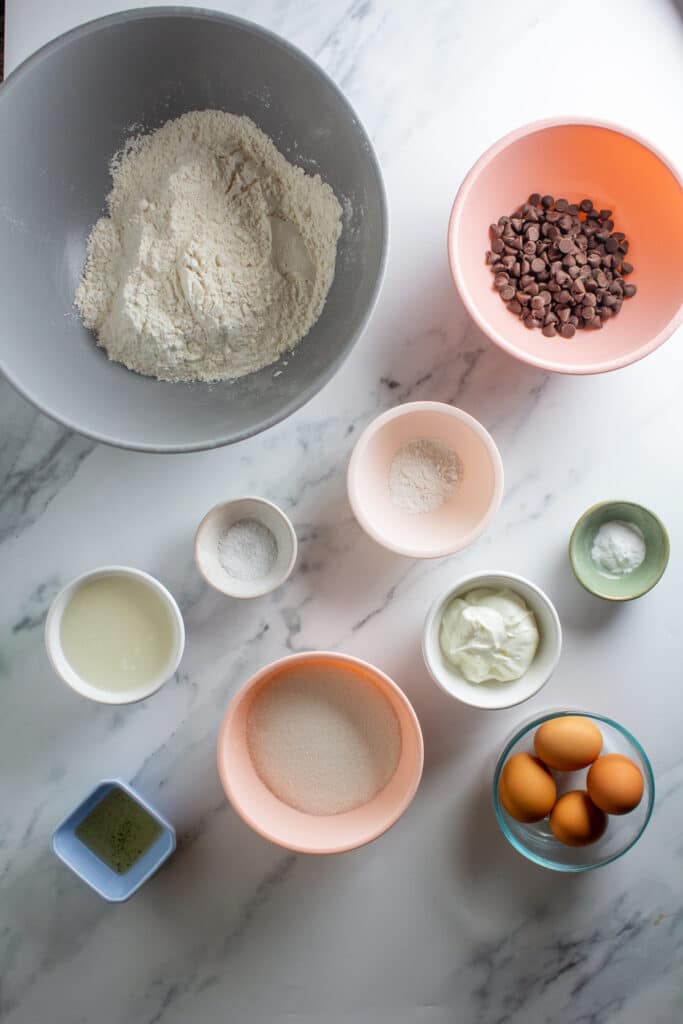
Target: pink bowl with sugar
(311, 833)
(576, 158)
(454, 524)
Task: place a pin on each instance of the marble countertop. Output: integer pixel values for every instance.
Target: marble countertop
(440, 920)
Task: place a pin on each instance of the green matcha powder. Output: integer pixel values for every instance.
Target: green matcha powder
(118, 831)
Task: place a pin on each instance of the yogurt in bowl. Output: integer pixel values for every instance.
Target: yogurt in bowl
(493, 640)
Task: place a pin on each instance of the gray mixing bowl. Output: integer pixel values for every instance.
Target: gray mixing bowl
(63, 114)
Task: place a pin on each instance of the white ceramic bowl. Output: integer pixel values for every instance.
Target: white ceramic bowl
(493, 694)
(97, 693)
(218, 520)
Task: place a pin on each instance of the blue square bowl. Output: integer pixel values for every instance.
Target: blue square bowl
(94, 872)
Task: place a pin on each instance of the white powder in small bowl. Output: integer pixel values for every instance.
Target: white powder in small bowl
(323, 740)
(618, 548)
(247, 550)
(423, 475)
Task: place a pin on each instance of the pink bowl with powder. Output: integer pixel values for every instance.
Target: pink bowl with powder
(576, 158)
(462, 517)
(315, 833)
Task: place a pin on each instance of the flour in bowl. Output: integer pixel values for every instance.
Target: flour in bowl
(216, 256)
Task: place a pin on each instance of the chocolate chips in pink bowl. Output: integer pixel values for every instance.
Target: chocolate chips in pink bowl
(560, 266)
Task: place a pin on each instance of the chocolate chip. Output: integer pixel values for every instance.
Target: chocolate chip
(549, 331)
(558, 263)
(567, 330)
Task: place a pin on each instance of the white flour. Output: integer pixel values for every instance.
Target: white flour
(423, 475)
(217, 254)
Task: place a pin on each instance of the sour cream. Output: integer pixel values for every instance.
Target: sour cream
(489, 634)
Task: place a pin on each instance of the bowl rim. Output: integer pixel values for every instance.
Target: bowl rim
(469, 580)
(454, 260)
(408, 408)
(583, 519)
(270, 583)
(60, 663)
(307, 393)
(534, 722)
(302, 657)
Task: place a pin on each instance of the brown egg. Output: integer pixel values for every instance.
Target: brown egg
(526, 788)
(568, 743)
(615, 784)
(576, 821)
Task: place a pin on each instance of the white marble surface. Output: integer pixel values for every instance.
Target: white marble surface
(439, 921)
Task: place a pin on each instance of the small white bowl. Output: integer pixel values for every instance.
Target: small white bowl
(218, 520)
(62, 666)
(494, 694)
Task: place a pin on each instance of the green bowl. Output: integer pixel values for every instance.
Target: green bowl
(635, 583)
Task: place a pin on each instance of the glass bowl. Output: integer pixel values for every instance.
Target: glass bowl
(536, 842)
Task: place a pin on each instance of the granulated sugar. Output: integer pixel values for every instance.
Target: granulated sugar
(323, 740)
(247, 550)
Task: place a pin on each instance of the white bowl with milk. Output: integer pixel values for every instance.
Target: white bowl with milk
(115, 635)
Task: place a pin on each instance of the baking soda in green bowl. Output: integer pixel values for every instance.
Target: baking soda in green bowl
(619, 550)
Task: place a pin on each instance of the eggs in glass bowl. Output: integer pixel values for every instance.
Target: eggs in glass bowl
(572, 790)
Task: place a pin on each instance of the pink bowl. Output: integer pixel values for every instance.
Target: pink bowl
(451, 526)
(576, 158)
(308, 833)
